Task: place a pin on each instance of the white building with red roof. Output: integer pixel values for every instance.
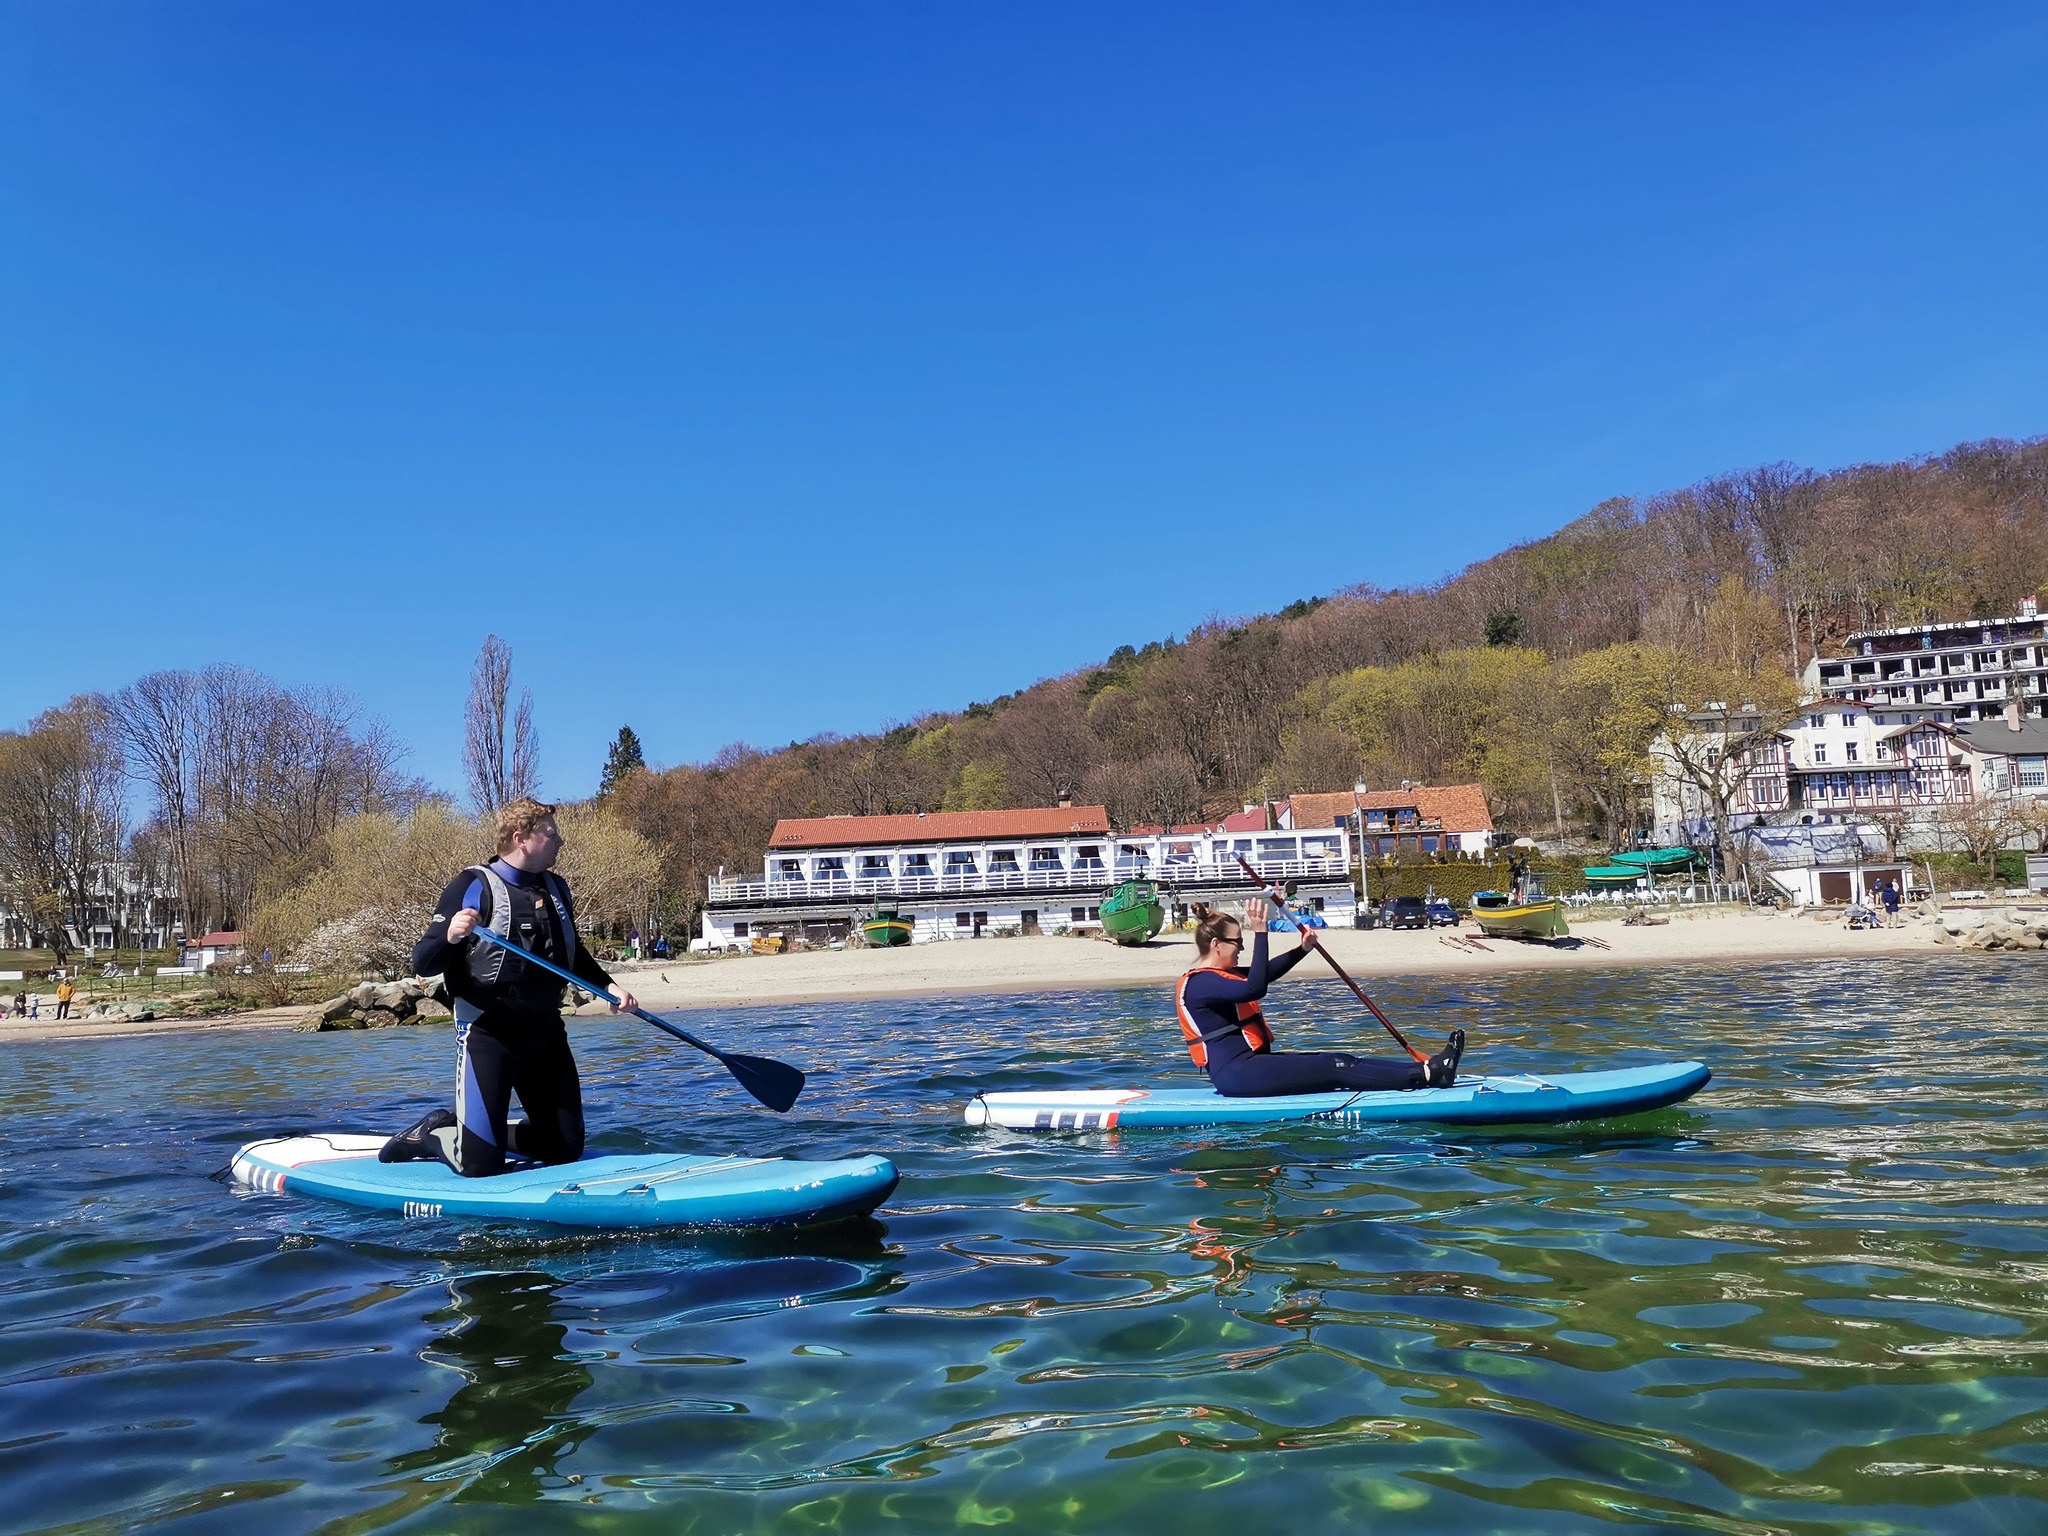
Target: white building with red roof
(967, 874)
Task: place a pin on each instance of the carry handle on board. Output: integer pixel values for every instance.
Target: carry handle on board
(1279, 902)
(774, 1083)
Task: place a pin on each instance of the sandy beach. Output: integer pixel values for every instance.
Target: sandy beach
(994, 965)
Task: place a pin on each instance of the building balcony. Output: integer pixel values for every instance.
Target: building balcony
(899, 888)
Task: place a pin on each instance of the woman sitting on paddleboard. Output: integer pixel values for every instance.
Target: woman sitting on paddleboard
(1218, 1003)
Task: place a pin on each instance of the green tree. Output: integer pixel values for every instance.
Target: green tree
(625, 758)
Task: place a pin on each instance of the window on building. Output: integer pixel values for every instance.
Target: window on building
(792, 870)
(1375, 818)
(1884, 751)
(739, 930)
(831, 869)
(1002, 861)
(958, 863)
(1820, 751)
(1850, 752)
(963, 919)
(1848, 722)
(2034, 773)
(1045, 858)
(1090, 853)
(1816, 721)
(1428, 843)
(1080, 914)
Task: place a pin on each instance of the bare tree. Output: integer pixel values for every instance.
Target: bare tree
(500, 765)
(60, 816)
(1719, 721)
(154, 719)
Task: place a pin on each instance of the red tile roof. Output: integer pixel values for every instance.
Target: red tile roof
(1457, 807)
(1253, 820)
(215, 941)
(938, 827)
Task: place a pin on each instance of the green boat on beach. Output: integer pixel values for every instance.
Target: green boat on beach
(1131, 913)
(884, 929)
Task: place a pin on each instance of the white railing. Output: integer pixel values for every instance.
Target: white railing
(1174, 872)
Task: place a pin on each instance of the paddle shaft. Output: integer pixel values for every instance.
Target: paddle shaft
(1273, 895)
(577, 981)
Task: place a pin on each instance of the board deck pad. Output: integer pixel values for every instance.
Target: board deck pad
(647, 1190)
(1523, 1098)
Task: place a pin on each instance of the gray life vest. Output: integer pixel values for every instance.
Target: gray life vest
(487, 962)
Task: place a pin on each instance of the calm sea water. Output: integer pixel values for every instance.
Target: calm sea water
(1810, 1301)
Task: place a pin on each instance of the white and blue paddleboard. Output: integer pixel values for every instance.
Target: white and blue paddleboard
(1524, 1098)
(652, 1190)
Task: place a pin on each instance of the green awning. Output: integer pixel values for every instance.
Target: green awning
(1658, 858)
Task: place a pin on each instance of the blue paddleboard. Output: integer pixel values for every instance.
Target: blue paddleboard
(652, 1190)
(1524, 1098)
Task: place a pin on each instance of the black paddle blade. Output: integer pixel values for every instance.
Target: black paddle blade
(774, 1083)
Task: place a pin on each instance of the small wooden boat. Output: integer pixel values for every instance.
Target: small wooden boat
(1528, 913)
(883, 929)
(1131, 913)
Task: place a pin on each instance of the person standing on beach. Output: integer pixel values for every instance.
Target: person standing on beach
(65, 992)
(509, 1033)
(1889, 895)
(1227, 1034)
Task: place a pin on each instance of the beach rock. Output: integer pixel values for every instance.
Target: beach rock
(593, 1009)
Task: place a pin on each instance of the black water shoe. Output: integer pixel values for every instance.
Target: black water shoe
(416, 1143)
(1441, 1070)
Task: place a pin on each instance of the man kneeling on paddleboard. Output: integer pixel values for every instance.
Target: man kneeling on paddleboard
(1218, 1003)
(509, 1034)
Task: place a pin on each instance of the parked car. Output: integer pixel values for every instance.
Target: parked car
(1403, 912)
(1441, 913)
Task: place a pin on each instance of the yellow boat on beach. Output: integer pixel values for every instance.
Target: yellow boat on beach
(1529, 913)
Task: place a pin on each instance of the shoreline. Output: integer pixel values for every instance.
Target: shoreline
(1012, 966)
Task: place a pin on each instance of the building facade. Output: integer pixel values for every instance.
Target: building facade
(970, 874)
(1417, 820)
(126, 907)
(1952, 673)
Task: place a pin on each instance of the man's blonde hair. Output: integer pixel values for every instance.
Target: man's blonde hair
(518, 820)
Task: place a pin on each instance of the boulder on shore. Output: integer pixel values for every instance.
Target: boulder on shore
(379, 1004)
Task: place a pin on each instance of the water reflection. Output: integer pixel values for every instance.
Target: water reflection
(503, 1430)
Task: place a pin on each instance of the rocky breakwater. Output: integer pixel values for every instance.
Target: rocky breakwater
(380, 1004)
(1992, 928)
(115, 1013)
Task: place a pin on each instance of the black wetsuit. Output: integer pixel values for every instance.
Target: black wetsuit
(1242, 1068)
(516, 1042)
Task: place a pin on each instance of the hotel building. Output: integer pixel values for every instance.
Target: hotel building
(1953, 672)
(966, 874)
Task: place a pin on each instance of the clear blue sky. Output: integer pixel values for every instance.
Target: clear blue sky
(760, 370)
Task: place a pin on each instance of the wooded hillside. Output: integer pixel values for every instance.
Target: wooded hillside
(1540, 672)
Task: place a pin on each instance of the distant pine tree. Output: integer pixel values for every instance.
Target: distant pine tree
(1504, 627)
(626, 758)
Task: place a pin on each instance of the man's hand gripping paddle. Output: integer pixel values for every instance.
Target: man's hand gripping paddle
(1279, 904)
(774, 1083)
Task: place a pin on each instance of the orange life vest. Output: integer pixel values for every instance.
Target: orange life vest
(1249, 1018)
